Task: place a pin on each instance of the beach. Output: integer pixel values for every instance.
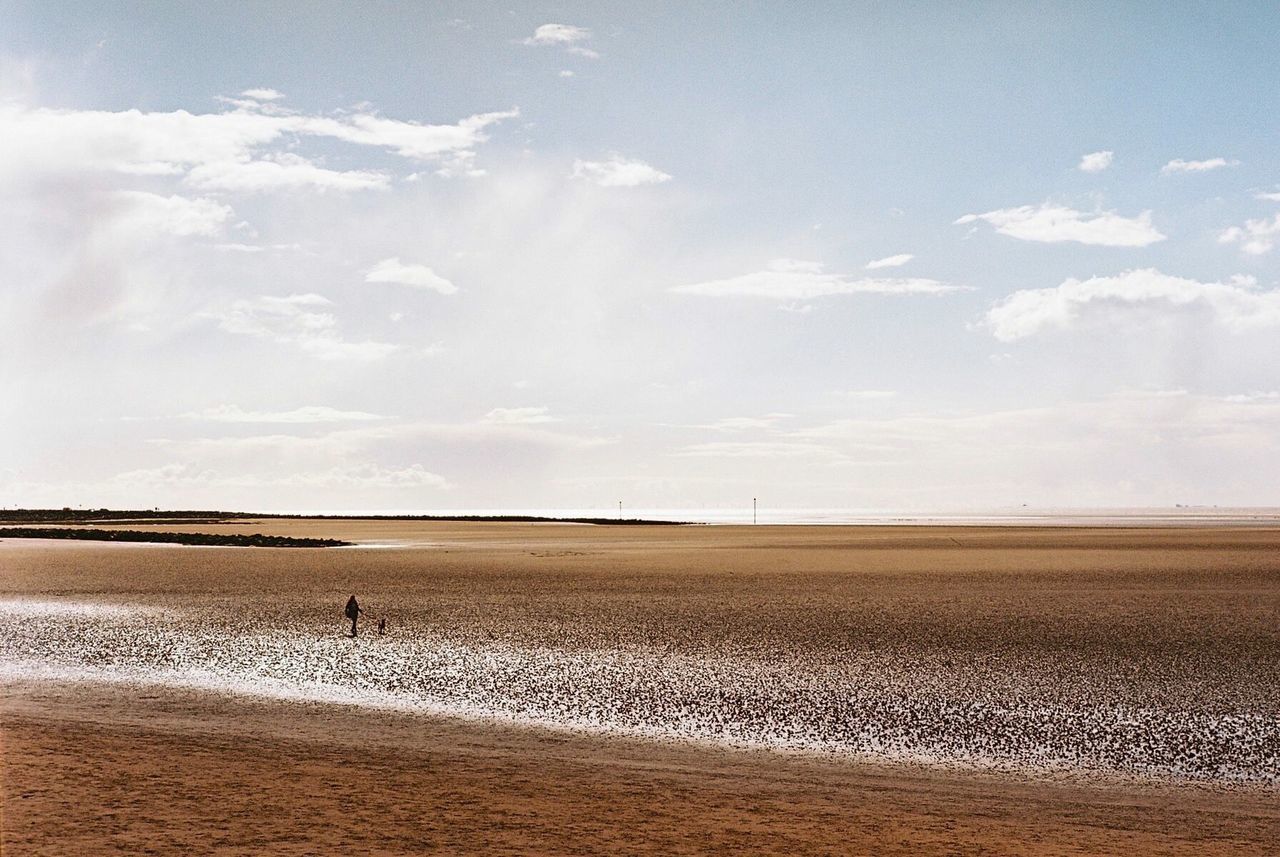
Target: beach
(554, 688)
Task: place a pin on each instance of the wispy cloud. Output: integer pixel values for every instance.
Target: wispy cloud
(519, 416)
(419, 276)
(1177, 165)
(565, 36)
(1129, 298)
(222, 149)
(618, 171)
(300, 320)
(763, 449)
(303, 415)
(890, 261)
(558, 34)
(1256, 396)
(408, 139)
(263, 94)
(795, 280)
(1096, 162)
(1054, 223)
(283, 171)
(358, 476)
(741, 424)
(238, 247)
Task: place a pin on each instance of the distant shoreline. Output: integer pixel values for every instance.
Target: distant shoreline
(96, 516)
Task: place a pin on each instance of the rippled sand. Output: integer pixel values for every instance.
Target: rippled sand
(1100, 657)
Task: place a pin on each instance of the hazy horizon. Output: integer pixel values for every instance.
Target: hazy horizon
(846, 256)
(766, 515)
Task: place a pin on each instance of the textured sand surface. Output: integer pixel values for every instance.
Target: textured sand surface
(1122, 683)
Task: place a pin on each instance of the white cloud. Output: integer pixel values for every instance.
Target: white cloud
(407, 139)
(618, 172)
(1255, 236)
(281, 172)
(1177, 165)
(890, 261)
(43, 141)
(1269, 196)
(795, 280)
(419, 276)
(307, 414)
(36, 142)
(565, 36)
(300, 320)
(1052, 223)
(1096, 162)
(1237, 305)
(564, 72)
(518, 416)
(265, 94)
(147, 214)
(558, 34)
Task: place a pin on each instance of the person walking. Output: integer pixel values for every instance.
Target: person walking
(353, 613)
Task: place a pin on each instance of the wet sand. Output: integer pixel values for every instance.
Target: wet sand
(1042, 690)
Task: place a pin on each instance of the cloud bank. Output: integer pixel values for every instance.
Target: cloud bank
(1237, 305)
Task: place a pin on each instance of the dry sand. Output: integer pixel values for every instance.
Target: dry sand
(957, 690)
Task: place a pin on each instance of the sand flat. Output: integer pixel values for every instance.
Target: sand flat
(553, 688)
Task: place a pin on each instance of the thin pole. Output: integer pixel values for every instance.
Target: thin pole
(619, 510)
(753, 510)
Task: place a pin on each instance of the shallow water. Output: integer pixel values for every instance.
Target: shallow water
(1023, 711)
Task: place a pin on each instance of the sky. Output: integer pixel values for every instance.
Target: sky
(416, 256)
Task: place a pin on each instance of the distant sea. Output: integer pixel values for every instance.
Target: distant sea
(1020, 516)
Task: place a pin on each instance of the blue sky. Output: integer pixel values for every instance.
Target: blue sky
(391, 256)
